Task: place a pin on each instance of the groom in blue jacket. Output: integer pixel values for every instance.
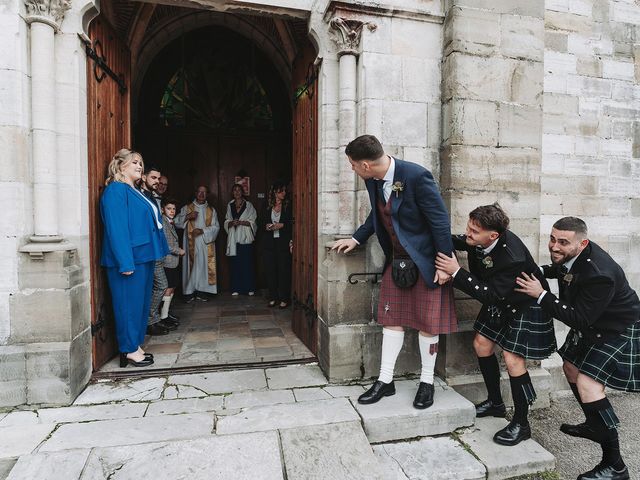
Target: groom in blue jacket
(412, 225)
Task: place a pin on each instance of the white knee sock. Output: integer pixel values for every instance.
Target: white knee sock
(392, 341)
(164, 313)
(428, 354)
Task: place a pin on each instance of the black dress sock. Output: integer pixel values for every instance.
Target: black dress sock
(490, 370)
(603, 421)
(576, 393)
(523, 396)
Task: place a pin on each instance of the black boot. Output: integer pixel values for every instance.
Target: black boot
(424, 396)
(376, 392)
(580, 430)
(602, 420)
(523, 396)
(494, 405)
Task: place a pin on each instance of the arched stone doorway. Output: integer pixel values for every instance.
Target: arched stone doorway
(213, 97)
(211, 108)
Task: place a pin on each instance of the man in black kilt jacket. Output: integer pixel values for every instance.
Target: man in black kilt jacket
(603, 345)
(509, 319)
(412, 224)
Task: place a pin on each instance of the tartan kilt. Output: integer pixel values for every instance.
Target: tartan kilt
(528, 333)
(615, 363)
(430, 310)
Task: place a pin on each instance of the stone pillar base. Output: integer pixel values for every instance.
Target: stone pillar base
(352, 352)
(52, 373)
(48, 357)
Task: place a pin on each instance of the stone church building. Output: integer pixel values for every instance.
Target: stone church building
(531, 103)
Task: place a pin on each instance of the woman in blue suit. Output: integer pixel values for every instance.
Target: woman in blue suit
(133, 241)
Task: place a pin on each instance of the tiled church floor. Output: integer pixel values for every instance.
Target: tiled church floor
(224, 330)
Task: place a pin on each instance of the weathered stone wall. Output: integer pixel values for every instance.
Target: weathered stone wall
(591, 147)
(15, 173)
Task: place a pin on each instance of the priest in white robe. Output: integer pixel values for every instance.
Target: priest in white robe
(200, 223)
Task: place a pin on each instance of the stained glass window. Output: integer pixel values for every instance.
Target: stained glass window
(216, 89)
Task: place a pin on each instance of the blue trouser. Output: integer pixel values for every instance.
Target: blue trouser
(242, 274)
(131, 297)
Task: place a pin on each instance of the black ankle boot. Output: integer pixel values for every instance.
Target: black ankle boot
(424, 396)
(376, 392)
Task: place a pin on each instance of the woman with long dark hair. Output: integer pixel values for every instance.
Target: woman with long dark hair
(277, 222)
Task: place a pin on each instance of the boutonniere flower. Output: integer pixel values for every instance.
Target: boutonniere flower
(487, 262)
(397, 187)
(568, 278)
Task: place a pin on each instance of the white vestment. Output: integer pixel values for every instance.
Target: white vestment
(196, 277)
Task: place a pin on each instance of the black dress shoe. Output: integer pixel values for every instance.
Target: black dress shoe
(174, 317)
(156, 329)
(581, 430)
(376, 392)
(512, 434)
(167, 322)
(168, 326)
(605, 472)
(149, 355)
(424, 396)
(124, 361)
(489, 409)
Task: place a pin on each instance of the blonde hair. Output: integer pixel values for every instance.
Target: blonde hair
(118, 162)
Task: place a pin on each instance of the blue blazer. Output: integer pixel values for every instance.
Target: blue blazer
(131, 235)
(419, 217)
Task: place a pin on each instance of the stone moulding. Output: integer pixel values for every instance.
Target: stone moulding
(50, 12)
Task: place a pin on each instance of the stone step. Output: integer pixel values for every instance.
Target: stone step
(428, 458)
(502, 462)
(395, 418)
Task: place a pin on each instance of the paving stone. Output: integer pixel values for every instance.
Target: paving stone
(256, 399)
(20, 440)
(6, 464)
(134, 391)
(223, 382)
(309, 394)
(20, 418)
(505, 462)
(52, 465)
(395, 418)
(288, 415)
(185, 405)
(296, 376)
(328, 451)
(181, 391)
(255, 456)
(442, 458)
(91, 413)
(129, 431)
(349, 391)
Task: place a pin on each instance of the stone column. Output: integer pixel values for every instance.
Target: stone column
(348, 34)
(492, 138)
(45, 17)
(47, 359)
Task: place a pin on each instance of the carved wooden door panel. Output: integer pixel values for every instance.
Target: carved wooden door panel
(108, 131)
(305, 198)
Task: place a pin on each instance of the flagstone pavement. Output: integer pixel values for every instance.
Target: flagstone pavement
(269, 423)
